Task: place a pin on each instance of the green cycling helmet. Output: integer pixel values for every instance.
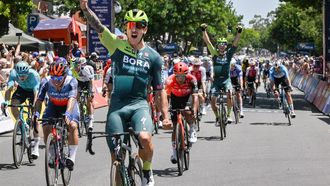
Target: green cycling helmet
(136, 15)
(222, 40)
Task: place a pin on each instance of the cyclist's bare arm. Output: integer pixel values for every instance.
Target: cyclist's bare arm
(195, 102)
(236, 40)
(37, 106)
(206, 38)
(92, 19)
(8, 93)
(71, 103)
(161, 97)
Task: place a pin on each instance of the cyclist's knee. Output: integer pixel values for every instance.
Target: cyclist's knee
(72, 126)
(145, 138)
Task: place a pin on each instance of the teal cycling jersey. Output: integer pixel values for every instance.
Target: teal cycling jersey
(132, 71)
(32, 82)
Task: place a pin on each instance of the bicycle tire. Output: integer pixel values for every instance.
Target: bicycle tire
(18, 144)
(286, 110)
(135, 170)
(220, 120)
(187, 148)
(224, 120)
(179, 150)
(30, 139)
(65, 172)
(116, 177)
(52, 173)
(254, 98)
(80, 124)
(235, 109)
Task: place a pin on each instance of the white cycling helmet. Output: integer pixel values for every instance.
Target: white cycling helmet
(233, 62)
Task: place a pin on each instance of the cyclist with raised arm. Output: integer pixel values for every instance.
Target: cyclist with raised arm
(135, 65)
(199, 73)
(252, 73)
(182, 88)
(236, 77)
(61, 89)
(221, 57)
(84, 73)
(279, 74)
(28, 81)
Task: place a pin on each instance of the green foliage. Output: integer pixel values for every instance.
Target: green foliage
(305, 4)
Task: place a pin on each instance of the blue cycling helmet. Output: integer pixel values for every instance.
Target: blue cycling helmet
(22, 68)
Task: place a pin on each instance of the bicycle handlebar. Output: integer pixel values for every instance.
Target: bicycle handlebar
(131, 132)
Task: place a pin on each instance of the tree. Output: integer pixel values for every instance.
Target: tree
(16, 11)
(305, 4)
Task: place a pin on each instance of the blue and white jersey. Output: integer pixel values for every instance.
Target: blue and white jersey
(61, 97)
(236, 72)
(32, 82)
(282, 72)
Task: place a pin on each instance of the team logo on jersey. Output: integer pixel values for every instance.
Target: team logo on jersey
(136, 62)
(221, 60)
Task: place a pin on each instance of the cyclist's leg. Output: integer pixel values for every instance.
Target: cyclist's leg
(36, 132)
(18, 97)
(228, 88)
(114, 124)
(73, 136)
(276, 90)
(288, 91)
(141, 122)
(214, 94)
(90, 106)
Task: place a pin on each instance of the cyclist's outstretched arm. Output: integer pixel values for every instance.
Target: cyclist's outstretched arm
(92, 19)
(206, 38)
(238, 36)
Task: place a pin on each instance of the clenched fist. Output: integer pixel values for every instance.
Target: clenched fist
(83, 4)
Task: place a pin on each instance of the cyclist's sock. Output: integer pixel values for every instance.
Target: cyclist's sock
(146, 165)
(229, 111)
(72, 152)
(216, 114)
(241, 105)
(36, 144)
(291, 107)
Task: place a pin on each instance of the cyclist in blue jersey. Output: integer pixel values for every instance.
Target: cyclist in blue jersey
(135, 66)
(279, 74)
(62, 92)
(236, 77)
(28, 81)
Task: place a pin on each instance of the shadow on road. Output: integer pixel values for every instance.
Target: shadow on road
(6, 166)
(169, 172)
(210, 138)
(6, 135)
(271, 123)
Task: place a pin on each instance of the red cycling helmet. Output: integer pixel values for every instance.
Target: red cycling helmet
(59, 67)
(181, 68)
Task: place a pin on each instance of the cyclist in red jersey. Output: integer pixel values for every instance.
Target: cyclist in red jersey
(199, 73)
(181, 87)
(252, 73)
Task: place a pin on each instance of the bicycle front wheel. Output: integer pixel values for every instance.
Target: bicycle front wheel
(187, 149)
(236, 110)
(179, 139)
(65, 172)
(135, 170)
(51, 161)
(116, 177)
(29, 140)
(18, 144)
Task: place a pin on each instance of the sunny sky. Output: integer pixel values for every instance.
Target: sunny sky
(249, 8)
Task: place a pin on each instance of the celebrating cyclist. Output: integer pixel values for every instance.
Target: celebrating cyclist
(279, 75)
(62, 92)
(236, 77)
(252, 73)
(28, 81)
(182, 87)
(84, 73)
(199, 73)
(135, 66)
(221, 64)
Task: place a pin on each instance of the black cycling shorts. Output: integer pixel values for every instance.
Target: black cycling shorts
(85, 85)
(282, 81)
(21, 95)
(179, 103)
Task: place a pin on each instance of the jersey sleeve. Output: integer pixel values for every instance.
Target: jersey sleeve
(43, 89)
(156, 73)
(212, 50)
(109, 39)
(74, 87)
(231, 52)
(271, 74)
(88, 72)
(194, 85)
(11, 80)
(36, 82)
(203, 71)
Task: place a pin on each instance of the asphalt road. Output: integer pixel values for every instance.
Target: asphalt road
(261, 150)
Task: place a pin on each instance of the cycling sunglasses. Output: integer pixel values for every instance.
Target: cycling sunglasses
(57, 78)
(222, 44)
(180, 76)
(138, 25)
(22, 75)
